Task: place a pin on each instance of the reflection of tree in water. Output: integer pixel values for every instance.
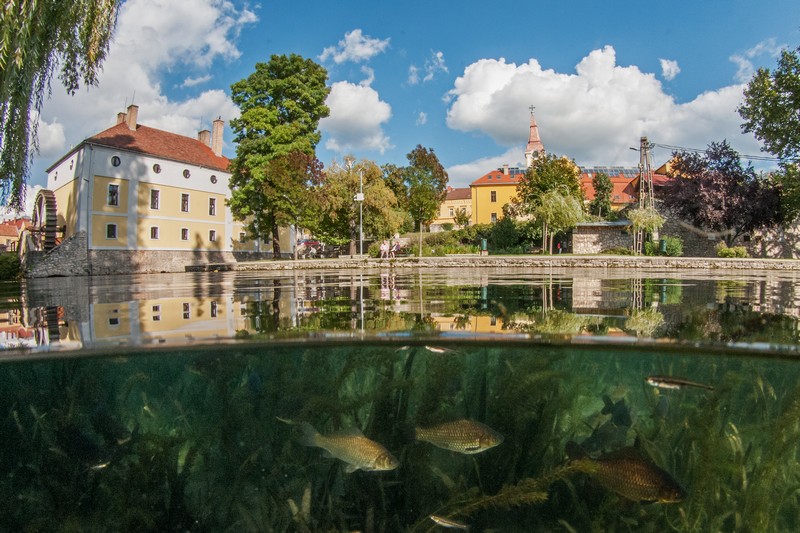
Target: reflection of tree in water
(644, 322)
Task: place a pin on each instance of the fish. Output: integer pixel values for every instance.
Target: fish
(349, 446)
(605, 436)
(628, 473)
(669, 382)
(620, 413)
(463, 436)
(448, 523)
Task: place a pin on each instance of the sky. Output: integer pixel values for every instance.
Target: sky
(456, 77)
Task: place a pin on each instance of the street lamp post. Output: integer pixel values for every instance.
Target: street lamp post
(359, 197)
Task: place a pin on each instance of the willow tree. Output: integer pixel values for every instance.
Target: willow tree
(556, 212)
(644, 220)
(36, 38)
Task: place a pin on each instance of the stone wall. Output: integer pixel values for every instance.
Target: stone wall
(156, 261)
(67, 259)
(599, 237)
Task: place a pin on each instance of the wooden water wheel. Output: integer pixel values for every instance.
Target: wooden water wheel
(44, 219)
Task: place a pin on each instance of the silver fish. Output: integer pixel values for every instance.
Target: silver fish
(446, 522)
(669, 382)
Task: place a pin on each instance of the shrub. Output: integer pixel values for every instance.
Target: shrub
(734, 251)
(505, 234)
(674, 247)
(619, 250)
(9, 266)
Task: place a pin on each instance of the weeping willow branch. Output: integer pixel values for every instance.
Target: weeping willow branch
(37, 37)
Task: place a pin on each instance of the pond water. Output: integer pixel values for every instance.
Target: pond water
(494, 399)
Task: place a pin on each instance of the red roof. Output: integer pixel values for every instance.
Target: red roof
(464, 193)
(159, 143)
(496, 177)
(8, 230)
(626, 188)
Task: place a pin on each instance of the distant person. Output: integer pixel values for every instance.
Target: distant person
(385, 249)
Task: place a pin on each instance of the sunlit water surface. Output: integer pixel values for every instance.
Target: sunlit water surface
(178, 402)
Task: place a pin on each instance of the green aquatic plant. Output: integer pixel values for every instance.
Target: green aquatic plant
(644, 322)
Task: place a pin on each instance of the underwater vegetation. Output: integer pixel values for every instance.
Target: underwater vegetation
(388, 437)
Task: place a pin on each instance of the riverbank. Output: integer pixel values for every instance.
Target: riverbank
(511, 261)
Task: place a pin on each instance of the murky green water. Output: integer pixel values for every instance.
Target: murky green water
(196, 424)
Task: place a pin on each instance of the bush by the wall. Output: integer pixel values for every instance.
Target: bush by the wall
(734, 251)
(9, 266)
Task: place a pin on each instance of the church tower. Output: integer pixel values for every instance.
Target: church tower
(535, 148)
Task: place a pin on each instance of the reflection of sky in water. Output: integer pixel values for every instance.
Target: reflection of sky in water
(604, 304)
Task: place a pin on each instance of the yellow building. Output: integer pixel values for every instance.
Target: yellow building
(455, 201)
(491, 192)
(150, 200)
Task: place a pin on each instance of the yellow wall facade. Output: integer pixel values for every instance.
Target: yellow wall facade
(483, 206)
(449, 208)
(67, 207)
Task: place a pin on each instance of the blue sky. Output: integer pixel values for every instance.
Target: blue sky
(457, 77)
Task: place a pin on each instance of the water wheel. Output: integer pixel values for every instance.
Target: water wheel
(44, 219)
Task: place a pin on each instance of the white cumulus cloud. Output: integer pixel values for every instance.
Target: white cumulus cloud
(744, 61)
(669, 69)
(593, 114)
(354, 47)
(356, 119)
(152, 37)
(422, 118)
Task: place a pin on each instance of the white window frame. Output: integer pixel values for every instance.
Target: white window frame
(212, 207)
(109, 197)
(116, 233)
(154, 233)
(155, 194)
(188, 202)
(186, 231)
(212, 235)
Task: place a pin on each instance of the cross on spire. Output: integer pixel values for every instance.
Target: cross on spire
(532, 108)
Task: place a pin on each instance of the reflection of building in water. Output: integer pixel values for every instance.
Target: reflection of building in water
(471, 323)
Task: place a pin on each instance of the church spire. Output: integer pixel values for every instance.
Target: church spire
(535, 148)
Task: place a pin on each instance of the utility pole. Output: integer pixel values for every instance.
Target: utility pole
(645, 187)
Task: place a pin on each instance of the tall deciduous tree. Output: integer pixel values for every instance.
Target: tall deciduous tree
(771, 108)
(601, 204)
(339, 217)
(557, 212)
(426, 182)
(36, 38)
(281, 105)
(714, 191)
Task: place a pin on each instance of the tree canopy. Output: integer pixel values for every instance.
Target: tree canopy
(714, 191)
(281, 104)
(36, 38)
(601, 204)
(339, 212)
(771, 108)
(547, 174)
(426, 182)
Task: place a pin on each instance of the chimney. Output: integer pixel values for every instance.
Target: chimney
(216, 136)
(133, 114)
(204, 137)
(120, 117)
(505, 169)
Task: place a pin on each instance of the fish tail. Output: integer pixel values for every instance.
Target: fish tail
(307, 435)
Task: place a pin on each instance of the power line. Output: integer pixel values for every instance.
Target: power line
(705, 150)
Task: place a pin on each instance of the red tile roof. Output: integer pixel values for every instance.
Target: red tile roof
(464, 193)
(626, 188)
(159, 143)
(496, 177)
(8, 230)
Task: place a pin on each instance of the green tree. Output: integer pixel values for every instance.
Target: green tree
(36, 38)
(601, 204)
(426, 182)
(771, 108)
(461, 218)
(339, 217)
(557, 212)
(645, 220)
(281, 104)
(547, 174)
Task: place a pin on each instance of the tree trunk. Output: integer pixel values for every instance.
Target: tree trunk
(276, 242)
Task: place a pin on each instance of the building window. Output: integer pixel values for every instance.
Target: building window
(212, 235)
(113, 194)
(213, 178)
(184, 234)
(494, 218)
(113, 321)
(185, 202)
(116, 161)
(156, 308)
(186, 173)
(452, 212)
(242, 237)
(494, 196)
(213, 309)
(111, 231)
(187, 310)
(157, 168)
(212, 206)
(155, 195)
(154, 232)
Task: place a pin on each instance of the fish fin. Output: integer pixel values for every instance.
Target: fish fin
(349, 469)
(608, 405)
(285, 420)
(308, 435)
(347, 432)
